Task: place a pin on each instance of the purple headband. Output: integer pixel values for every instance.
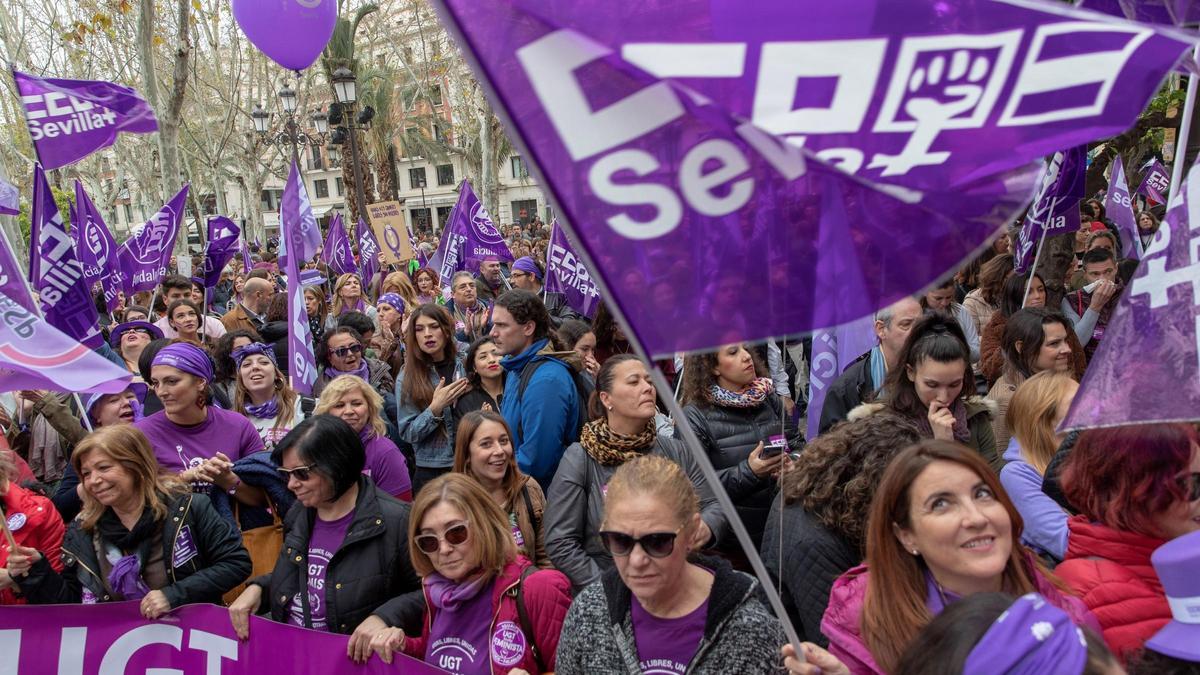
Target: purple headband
(392, 299)
(1031, 637)
(186, 357)
(114, 336)
(527, 264)
(266, 350)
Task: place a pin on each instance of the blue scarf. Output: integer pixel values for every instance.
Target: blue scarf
(878, 368)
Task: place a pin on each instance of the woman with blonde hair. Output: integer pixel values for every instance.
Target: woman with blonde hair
(486, 611)
(142, 535)
(348, 297)
(483, 450)
(1036, 409)
(400, 284)
(356, 403)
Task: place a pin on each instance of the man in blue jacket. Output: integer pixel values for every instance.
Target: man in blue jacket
(541, 406)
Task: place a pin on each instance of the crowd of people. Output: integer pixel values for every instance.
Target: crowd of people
(486, 480)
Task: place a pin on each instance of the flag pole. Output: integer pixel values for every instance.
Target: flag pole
(8, 536)
(1185, 126)
(1033, 267)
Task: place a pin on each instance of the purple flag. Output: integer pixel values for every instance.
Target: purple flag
(1156, 182)
(671, 135)
(1056, 208)
(302, 361)
(832, 351)
(337, 252)
(96, 248)
(71, 119)
(114, 638)
(247, 262)
(10, 199)
(223, 238)
(469, 236)
(1153, 337)
(566, 274)
(1118, 206)
(144, 257)
(65, 297)
(296, 213)
(368, 253)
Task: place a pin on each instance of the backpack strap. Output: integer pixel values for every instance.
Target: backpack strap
(518, 592)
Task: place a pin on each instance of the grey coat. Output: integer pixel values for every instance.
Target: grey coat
(740, 635)
(575, 509)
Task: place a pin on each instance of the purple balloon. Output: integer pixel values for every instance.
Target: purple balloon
(291, 32)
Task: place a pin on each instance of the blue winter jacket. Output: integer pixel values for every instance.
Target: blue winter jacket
(546, 421)
(1045, 521)
(432, 448)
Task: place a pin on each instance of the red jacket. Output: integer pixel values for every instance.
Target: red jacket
(36, 524)
(1111, 571)
(547, 597)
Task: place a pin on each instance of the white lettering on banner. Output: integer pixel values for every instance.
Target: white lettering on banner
(57, 276)
(938, 83)
(302, 369)
(117, 656)
(570, 271)
(47, 118)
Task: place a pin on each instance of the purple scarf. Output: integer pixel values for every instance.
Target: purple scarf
(362, 371)
(450, 595)
(360, 306)
(962, 433)
(266, 411)
(126, 578)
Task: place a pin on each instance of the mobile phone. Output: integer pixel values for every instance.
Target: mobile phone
(774, 445)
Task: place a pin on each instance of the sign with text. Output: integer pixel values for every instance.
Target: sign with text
(387, 221)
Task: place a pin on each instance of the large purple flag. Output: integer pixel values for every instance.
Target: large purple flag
(1118, 206)
(1153, 337)
(96, 248)
(469, 236)
(368, 253)
(1156, 182)
(145, 256)
(10, 199)
(669, 128)
(566, 274)
(337, 252)
(295, 212)
(223, 238)
(302, 361)
(71, 119)
(65, 297)
(1056, 208)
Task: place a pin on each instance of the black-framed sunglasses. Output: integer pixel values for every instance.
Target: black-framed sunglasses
(1191, 483)
(430, 543)
(655, 544)
(301, 473)
(343, 352)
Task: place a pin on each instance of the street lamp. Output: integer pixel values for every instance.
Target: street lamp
(345, 86)
(292, 136)
(346, 90)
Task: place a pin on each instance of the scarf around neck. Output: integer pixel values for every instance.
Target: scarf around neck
(362, 371)
(962, 433)
(450, 595)
(134, 544)
(759, 390)
(609, 448)
(266, 411)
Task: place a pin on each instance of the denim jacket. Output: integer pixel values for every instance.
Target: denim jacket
(432, 441)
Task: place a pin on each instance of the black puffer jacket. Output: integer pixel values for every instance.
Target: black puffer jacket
(812, 558)
(219, 563)
(850, 389)
(729, 435)
(370, 573)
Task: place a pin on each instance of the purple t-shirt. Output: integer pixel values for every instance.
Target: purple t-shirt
(459, 641)
(666, 646)
(179, 448)
(386, 466)
(326, 539)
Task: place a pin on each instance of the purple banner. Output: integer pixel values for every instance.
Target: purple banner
(469, 236)
(832, 351)
(96, 248)
(1056, 208)
(1156, 182)
(223, 241)
(368, 253)
(65, 297)
(675, 138)
(566, 274)
(10, 199)
(144, 257)
(337, 252)
(114, 638)
(1153, 337)
(70, 119)
(295, 213)
(302, 360)
(1118, 206)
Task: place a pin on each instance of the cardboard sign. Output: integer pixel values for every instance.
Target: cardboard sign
(387, 222)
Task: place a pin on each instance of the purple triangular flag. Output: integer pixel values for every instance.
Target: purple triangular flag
(96, 247)
(1118, 206)
(302, 361)
(566, 274)
(296, 214)
(337, 252)
(70, 119)
(223, 238)
(247, 261)
(145, 257)
(1055, 209)
(66, 300)
(368, 253)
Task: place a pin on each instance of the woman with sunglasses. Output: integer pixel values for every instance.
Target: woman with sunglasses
(130, 338)
(1135, 488)
(488, 609)
(263, 394)
(343, 352)
(357, 404)
(659, 609)
(345, 565)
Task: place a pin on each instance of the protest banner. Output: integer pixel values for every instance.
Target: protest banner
(368, 253)
(337, 252)
(1055, 209)
(566, 274)
(145, 257)
(1118, 206)
(387, 223)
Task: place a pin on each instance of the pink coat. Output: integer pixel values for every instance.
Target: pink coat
(842, 621)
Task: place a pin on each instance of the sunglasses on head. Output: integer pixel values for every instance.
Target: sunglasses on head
(343, 352)
(301, 473)
(430, 543)
(655, 544)
(1191, 483)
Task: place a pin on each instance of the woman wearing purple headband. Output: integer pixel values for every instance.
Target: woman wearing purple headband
(198, 441)
(389, 339)
(262, 393)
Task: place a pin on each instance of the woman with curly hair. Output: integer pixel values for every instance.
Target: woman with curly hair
(819, 530)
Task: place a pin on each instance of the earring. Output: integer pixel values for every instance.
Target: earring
(916, 552)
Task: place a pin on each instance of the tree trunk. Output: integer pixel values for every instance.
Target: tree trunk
(145, 37)
(487, 147)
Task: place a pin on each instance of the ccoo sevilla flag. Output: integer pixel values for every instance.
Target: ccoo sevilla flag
(70, 119)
